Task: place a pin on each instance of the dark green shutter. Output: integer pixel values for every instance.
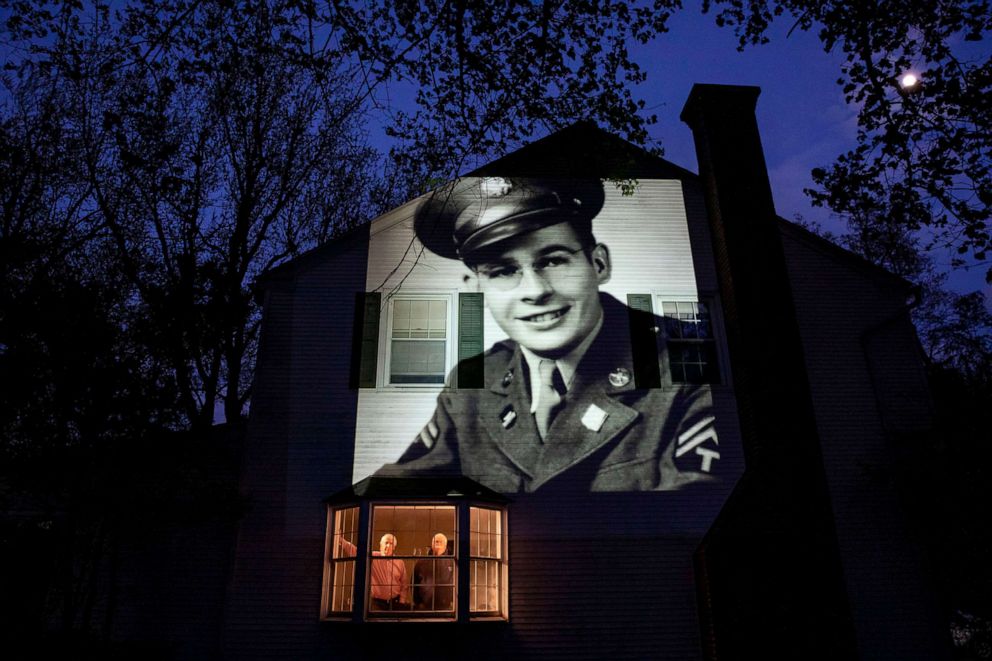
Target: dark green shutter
(471, 343)
(365, 340)
(644, 341)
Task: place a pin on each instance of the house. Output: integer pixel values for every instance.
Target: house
(778, 373)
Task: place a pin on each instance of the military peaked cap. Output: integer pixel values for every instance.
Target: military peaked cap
(476, 212)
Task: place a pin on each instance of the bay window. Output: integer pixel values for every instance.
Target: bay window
(426, 558)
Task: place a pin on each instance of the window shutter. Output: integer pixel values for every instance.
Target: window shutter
(365, 340)
(644, 341)
(470, 340)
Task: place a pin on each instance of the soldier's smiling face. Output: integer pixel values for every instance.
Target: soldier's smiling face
(542, 288)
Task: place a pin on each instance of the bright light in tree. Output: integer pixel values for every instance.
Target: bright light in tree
(909, 80)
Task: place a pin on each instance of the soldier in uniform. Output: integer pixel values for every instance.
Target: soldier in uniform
(560, 404)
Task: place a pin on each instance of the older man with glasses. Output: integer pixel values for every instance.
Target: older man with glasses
(560, 405)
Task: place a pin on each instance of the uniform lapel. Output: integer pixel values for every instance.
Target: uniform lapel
(507, 418)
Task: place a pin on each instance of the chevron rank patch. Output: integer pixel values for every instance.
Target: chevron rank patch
(429, 434)
(696, 440)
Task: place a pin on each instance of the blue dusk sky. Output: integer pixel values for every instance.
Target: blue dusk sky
(803, 118)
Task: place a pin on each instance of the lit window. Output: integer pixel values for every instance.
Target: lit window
(487, 582)
(418, 344)
(692, 354)
(339, 569)
(419, 548)
(418, 576)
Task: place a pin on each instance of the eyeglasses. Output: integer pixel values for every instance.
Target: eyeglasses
(553, 267)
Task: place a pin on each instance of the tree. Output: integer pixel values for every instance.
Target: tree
(166, 154)
(924, 152)
(204, 164)
(220, 138)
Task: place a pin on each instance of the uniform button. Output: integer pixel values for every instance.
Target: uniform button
(620, 377)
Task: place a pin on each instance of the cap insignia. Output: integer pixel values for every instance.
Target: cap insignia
(495, 186)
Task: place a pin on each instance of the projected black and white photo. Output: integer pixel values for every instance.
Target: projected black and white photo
(563, 380)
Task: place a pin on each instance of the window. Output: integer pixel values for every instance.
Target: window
(339, 569)
(418, 340)
(688, 331)
(487, 581)
(420, 575)
(437, 557)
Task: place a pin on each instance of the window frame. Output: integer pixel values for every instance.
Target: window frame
(502, 564)
(372, 545)
(386, 338)
(461, 546)
(333, 563)
(718, 337)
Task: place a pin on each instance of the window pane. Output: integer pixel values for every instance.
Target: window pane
(401, 318)
(342, 566)
(492, 580)
(420, 319)
(705, 329)
(486, 544)
(689, 328)
(417, 361)
(691, 345)
(485, 586)
(414, 578)
(438, 315)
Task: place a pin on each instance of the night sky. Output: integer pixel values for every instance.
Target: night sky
(803, 118)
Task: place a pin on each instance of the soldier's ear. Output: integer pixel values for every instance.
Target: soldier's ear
(600, 258)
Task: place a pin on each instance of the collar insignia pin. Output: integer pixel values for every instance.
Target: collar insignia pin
(507, 378)
(619, 377)
(594, 417)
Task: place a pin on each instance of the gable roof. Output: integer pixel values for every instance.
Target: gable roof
(581, 150)
(842, 254)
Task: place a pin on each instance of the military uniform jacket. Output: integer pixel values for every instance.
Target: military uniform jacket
(608, 435)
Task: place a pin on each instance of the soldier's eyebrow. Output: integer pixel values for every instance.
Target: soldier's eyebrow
(496, 262)
(556, 247)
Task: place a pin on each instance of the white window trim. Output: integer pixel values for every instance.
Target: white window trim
(503, 591)
(386, 344)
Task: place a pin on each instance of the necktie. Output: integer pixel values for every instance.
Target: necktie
(548, 394)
